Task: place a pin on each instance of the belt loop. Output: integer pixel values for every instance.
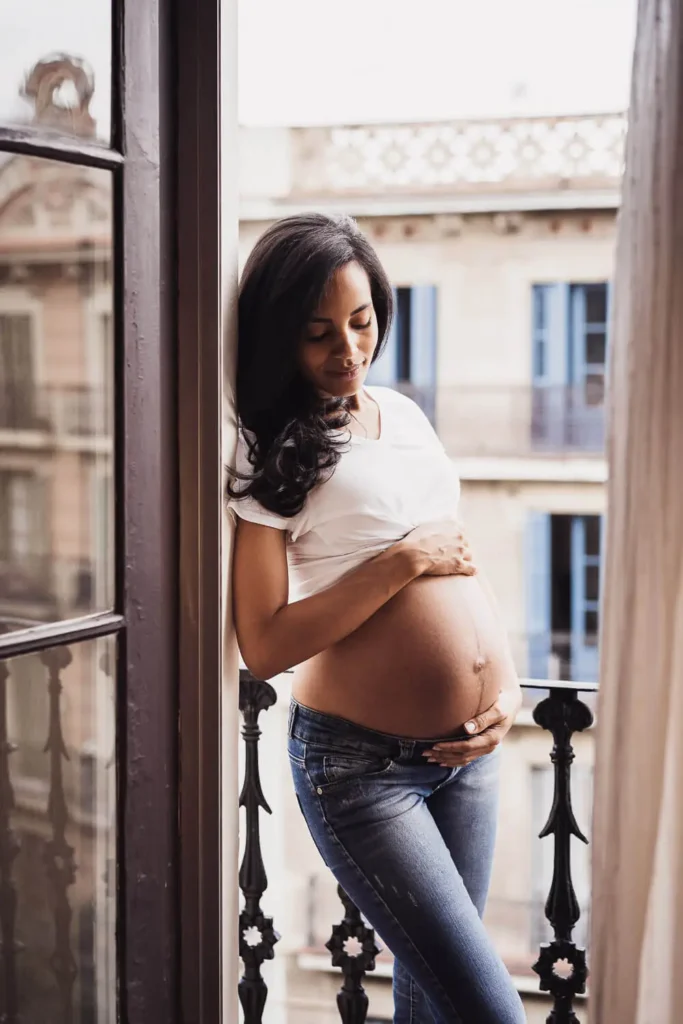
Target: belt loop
(407, 748)
(290, 717)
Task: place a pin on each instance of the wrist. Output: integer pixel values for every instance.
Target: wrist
(412, 561)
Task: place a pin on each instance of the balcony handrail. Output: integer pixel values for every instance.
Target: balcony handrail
(64, 410)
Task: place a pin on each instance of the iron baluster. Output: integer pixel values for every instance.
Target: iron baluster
(59, 855)
(9, 848)
(562, 714)
(257, 937)
(352, 1000)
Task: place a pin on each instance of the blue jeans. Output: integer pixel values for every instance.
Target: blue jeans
(412, 845)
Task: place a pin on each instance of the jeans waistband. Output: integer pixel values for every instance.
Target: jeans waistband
(312, 726)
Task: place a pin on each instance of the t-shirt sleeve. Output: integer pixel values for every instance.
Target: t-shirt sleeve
(250, 509)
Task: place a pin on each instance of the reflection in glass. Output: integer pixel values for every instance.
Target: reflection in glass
(58, 835)
(56, 391)
(55, 66)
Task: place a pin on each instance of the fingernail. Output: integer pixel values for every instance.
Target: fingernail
(470, 727)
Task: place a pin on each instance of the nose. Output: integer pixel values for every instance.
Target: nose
(347, 347)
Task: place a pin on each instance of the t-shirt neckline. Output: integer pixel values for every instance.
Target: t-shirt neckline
(364, 439)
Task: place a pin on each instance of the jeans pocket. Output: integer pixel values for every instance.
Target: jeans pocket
(338, 768)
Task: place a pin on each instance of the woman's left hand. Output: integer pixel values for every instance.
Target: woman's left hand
(486, 732)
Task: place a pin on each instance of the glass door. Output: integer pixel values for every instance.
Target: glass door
(89, 554)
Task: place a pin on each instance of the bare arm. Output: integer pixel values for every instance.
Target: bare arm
(274, 635)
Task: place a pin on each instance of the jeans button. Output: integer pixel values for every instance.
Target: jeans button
(319, 791)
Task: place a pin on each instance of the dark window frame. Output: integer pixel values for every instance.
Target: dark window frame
(163, 857)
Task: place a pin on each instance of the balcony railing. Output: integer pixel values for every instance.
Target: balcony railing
(45, 580)
(561, 964)
(513, 420)
(64, 410)
(525, 154)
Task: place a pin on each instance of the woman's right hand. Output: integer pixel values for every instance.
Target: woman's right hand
(441, 549)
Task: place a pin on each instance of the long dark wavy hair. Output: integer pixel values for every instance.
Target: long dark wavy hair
(286, 423)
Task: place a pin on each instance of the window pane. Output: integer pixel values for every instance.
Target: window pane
(592, 535)
(596, 347)
(596, 304)
(540, 297)
(539, 358)
(591, 627)
(592, 582)
(594, 388)
(58, 802)
(55, 66)
(56, 391)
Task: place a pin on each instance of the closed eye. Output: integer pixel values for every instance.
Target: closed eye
(356, 327)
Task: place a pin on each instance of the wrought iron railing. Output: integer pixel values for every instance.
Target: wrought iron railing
(561, 964)
(50, 976)
(75, 410)
(514, 420)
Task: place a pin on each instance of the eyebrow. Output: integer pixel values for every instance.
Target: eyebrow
(327, 320)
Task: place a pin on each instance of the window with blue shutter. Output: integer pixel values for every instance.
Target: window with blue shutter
(563, 571)
(408, 362)
(569, 346)
(550, 369)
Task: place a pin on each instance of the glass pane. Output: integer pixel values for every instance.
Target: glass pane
(591, 627)
(592, 583)
(55, 66)
(58, 811)
(539, 307)
(594, 386)
(596, 347)
(592, 535)
(56, 391)
(539, 358)
(596, 304)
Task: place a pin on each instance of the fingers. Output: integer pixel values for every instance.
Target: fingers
(465, 565)
(465, 568)
(458, 753)
(492, 716)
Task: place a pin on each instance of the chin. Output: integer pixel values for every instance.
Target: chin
(342, 387)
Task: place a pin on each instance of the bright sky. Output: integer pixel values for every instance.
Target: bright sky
(350, 61)
(345, 61)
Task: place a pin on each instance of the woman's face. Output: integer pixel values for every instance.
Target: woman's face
(338, 342)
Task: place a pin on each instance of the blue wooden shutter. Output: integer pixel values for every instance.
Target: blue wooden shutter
(423, 336)
(550, 364)
(423, 347)
(588, 429)
(538, 568)
(584, 654)
(557, 328)
(384, 370)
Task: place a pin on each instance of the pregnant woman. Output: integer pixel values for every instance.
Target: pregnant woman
(350, 566)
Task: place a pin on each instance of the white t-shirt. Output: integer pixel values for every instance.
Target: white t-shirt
(379, 491)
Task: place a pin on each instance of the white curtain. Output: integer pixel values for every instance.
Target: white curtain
(637, 923)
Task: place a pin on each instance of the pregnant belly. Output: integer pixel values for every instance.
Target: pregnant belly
(428, 660)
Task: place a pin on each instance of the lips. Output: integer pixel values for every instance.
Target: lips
(347, 373)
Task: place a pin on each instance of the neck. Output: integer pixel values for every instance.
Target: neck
(354, 401)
